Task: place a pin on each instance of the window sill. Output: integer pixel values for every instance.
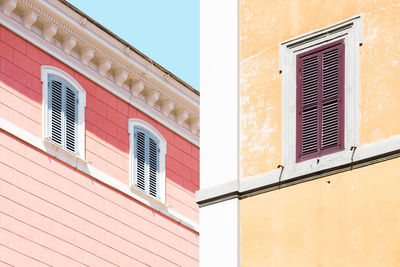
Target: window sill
(329, 164)
(86, 167)
(150, 201)
(62, 154)
(318, 164)
(162, 208)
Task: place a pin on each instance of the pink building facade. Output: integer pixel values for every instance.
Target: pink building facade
(83, 189)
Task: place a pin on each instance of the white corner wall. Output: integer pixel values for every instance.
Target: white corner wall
(219, 235)
(219, 91)
(219, 111)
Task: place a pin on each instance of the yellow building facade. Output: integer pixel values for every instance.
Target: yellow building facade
(335, 208)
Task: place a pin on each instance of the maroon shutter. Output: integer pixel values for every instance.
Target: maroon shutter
(320, 101)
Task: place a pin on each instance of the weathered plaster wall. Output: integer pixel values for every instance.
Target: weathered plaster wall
(380, 73)
(351, 221)
(354, 219)
(264, 24)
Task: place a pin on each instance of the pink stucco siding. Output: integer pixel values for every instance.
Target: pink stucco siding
(52, 214)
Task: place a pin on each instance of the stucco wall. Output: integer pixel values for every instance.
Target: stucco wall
(354, 219)
(51, 213)
(265, 24)
(348, 219)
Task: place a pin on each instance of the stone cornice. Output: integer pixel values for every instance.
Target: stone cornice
(101, 56)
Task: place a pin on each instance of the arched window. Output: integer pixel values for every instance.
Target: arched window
(64, 103)
(147, 159)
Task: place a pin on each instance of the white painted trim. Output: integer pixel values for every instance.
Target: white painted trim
(87, 168)
(217, 191)
(133, 64)
(258, 181)
(351, 31)
(365, 152)
(372, 151)
(45, 72)
(132, 123)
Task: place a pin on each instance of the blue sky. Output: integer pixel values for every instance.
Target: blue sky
(167, 31)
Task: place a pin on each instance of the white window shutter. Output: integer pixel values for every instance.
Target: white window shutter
(140, 159)
(153, 168)
(55, 111)
(146, 161)
(63, 114)
(71, 112)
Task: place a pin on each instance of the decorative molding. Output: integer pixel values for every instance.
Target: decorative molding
(166, 77)
(127, 51)
(120, 77)
(8, 6)
(167, 106)
(69, 44)
(83, 22)
(86, 168)
(49, 31)
(181, 116)
(74, 31)
(29, 18)
(104, 66)
(195, 126)
(86, 55)
(136, 88)
(152, 97)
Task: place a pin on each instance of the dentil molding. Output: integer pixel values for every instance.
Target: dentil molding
(68, 35)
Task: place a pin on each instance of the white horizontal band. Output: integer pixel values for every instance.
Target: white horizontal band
(360, 156)
(88, 169)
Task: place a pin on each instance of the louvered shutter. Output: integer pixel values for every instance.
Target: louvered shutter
(320, 101)
(153, 167)
(56, 120)
(146, 161)
(63, 114)
(333, 98)
(71, 112)
(308, 101)
(140, 159)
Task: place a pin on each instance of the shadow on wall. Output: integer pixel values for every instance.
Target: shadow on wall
(106, 116)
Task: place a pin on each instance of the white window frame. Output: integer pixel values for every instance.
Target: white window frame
(351, 31)
(132, 124)
(50, 70)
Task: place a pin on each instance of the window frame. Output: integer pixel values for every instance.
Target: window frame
(50, 70)
(350, 31)
(132, 124)
(319, 50)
